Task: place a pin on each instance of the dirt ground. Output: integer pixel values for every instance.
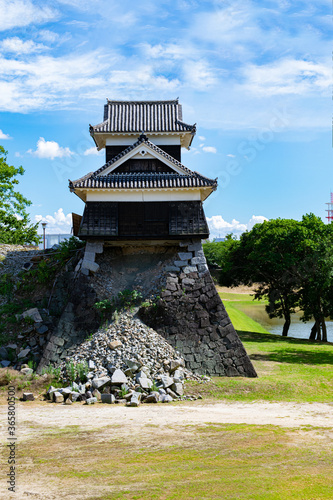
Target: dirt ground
(38, 421)
(37, 417)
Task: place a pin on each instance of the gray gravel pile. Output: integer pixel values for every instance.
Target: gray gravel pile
(127, 362)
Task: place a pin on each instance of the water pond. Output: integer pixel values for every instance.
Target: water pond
(297, 329)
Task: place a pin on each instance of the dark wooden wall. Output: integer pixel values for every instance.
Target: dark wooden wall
(143, 165)
(153, 220)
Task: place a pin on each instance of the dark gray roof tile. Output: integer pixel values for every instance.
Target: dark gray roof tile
(147, 116)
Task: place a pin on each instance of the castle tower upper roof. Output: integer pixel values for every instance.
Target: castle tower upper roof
(151, 117)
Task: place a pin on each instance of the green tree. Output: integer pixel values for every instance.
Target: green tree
(315, 273)
(217, 252)
(15, 226)
(266, 256)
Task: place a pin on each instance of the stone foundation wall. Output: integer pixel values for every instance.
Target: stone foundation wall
(78, 319)
(192, 317)
(189, 314)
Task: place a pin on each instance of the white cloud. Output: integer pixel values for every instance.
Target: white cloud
(209, 149)
(59, 223)
(48, 36)
(231, 156)
(288, 76)
(219, 228)
(202, 138)
(199, 75)
(167, 51)
(44, 81)
(18, 13)
(92, 151)
(50, 150)
(255, 219)
(142, 78)
(4, 136)
(18, 46)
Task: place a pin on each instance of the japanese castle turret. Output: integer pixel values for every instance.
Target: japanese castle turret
(143, 222)
(143, 191)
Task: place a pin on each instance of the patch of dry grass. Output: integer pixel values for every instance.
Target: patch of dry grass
(193, 462)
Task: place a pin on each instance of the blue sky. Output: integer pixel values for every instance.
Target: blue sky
(256, 77)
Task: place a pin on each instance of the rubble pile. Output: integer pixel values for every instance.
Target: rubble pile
(126, 362)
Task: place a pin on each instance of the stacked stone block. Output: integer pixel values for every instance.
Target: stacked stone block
(88, 262)
(192, 317)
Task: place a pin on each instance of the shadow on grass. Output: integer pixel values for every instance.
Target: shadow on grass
(289, 350)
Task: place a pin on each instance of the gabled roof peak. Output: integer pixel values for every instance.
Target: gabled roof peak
(143, 139)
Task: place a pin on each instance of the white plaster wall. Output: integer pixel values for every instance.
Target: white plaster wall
(128, 140)
(143, 195)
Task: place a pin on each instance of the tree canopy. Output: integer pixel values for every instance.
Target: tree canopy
(15, 226)
(291, 262)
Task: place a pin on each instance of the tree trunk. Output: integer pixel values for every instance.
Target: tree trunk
(286, 326)
(313, 333)
(324, 330)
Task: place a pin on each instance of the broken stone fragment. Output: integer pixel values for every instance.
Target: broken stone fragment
(152, 398)
(108, 398)
(144, 382)
(75, 396)
(140, 374)
(172, 393)
(91, 401)
(128, 372)
(128, 396)
(99, 383)
(178, 376)
(82, 388)
(42, 329)
(174, 364)
(23, 353)
(88, 265)
(177, 388)
(166, 381)
(133, 365)
(5, 363)
(26, 371)
(50, 392)
(28, 396)
(118, 377)
(165, 398)
(33, 314)
(96, 394)
(68, 401)
(75, 387)
(135, 399)
(114, 344)
(58, 397)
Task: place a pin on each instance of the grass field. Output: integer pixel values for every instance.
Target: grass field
(288, 369)
(193, 462)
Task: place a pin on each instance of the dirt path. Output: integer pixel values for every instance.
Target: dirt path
(36, 418)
